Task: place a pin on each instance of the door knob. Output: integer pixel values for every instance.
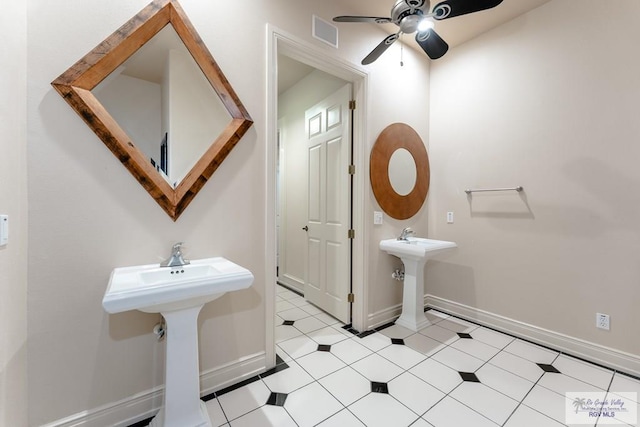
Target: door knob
(305, 228)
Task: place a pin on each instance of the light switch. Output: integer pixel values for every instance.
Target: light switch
(449, 217)
(377, 218)
(4, 230)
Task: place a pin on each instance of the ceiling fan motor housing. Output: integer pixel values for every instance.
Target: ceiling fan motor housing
(407, 14)
(415, 3)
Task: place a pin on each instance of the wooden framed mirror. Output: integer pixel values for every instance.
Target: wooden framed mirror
(83, 87)
(399, 171)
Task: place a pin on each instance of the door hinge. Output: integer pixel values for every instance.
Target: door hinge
(352, 169)
(351, 298)
(352, 234)
(352, 104)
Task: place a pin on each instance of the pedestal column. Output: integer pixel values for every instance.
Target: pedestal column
(412, 316)
(182, 406)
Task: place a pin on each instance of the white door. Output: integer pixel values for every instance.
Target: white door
(328, 251)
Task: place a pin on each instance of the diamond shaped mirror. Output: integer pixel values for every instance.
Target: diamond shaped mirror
(155, 96)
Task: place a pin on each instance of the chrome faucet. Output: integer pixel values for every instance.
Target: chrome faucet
(175, 260)
(406, 232)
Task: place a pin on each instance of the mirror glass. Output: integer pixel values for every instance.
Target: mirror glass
(402, 171)
(163, 101)
(155, 96)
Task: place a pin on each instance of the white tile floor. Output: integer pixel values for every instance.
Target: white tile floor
(413, 380)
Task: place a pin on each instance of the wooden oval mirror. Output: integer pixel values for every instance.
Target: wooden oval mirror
(173, 180)
(400, 182)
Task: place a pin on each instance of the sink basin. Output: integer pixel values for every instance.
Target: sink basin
(179, 293)
(416, 247)
(414, 253)
(155, 289)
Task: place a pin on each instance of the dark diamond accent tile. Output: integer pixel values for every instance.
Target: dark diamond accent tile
(206, 398)
(277, 399)
(277, 368)
(349, 328)
(634, 377)
(279, 360)
(464, 335)
(469, 376)
(288, 322)
(383, 327)
(379, 387)
(398, 341)
(143, 423)
(236, 386)
(365, 334)
(548, 368)
(324, 347)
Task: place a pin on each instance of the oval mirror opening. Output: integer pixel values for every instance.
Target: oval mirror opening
(402, 171)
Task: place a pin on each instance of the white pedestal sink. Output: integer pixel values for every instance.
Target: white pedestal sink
(178, 293)
(414, 253)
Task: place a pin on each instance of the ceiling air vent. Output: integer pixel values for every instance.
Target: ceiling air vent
(324, 31)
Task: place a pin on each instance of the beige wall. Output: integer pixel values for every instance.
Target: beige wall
(405, 95)
(88, 215)
(13, 202)
(547, 101)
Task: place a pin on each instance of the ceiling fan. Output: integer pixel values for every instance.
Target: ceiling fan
(414, 16)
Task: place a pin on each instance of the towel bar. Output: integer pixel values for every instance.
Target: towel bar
(480, 190)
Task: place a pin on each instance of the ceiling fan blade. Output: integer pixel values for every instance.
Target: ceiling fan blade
(432, 43)
(368, 19)
(379, 50)
(451, 8)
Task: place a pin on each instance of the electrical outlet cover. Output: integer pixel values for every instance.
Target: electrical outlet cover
(377, 217)
(449, 217)
(603, 321)
(4, 230)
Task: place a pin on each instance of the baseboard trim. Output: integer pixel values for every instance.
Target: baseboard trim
(232, 373)
(625, 362)
(292, 282)
(299, 291)
(145, 404)
(383, 317)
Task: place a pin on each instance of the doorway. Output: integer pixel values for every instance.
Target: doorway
(281, 45)
(314, 186)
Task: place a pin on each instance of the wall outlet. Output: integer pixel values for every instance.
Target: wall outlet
(602, 321)
(4, 230)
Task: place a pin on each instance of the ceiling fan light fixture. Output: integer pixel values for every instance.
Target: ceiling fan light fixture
(425, 24)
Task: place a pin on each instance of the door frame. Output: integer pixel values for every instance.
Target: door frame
(279, 41)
